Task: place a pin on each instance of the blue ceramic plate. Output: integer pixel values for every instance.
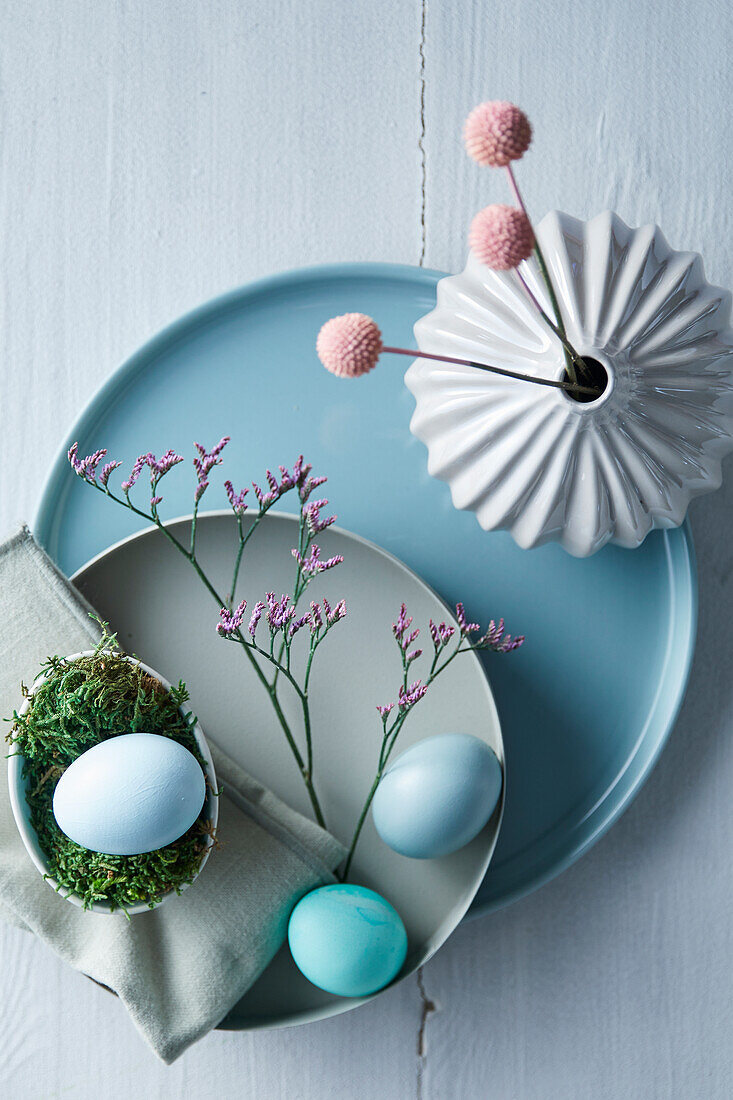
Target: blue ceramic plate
(585, 706)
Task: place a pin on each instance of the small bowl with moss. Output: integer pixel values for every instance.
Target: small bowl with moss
(77, 702)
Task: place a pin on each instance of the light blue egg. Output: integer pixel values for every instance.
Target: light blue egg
(347, 940)
(437, 796)
(130, 794)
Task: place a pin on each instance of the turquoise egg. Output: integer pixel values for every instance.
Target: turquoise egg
(347, 940)
(437, 796)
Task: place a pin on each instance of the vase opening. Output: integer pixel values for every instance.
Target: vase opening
(595, 376)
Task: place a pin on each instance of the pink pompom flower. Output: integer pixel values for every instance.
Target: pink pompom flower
(497, 133)
(501, 237)
(349, 345)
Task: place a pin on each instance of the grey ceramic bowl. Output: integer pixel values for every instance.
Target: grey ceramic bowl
(159, 608)
(21, 812)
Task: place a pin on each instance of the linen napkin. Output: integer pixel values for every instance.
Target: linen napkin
(180, 968)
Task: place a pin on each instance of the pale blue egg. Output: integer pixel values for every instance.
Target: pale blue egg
(347, 940)
(437, 796)
(130, 794)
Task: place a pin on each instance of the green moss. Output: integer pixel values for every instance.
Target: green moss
(79, 704)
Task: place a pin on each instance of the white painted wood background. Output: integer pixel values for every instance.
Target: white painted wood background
(156, 152)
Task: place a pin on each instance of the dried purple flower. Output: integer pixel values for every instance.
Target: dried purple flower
(413, 656)
(305, 483)
(496, 640)
(403, 622)
(287, 481)
(279, 612)
(465, 627)
(236, 500)
(93, 461)
(400, 630)
(338, 613)
(72, 455)
(107, 469)
(313, 564)
(301, 478)
(204, 463)
(409, 696)
(316, 620)
(301, 470)
(140, 462)
(276, 490)
(384, 712)
(493, 632)
(441, 634)
(159, 467)
(312, 513)
(334, 614)
(85, 468)
(231, 621)
(311, 484)
(259, 607)
(296, 626)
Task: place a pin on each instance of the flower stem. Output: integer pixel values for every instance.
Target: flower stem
(297, 590)
(194, 518)
(359, 825)
(308, 737)
(569, 349)
(306, 767)
(243, 540)
(301, 583)
(557, 384)
(304, 771)
(570, 359)
(388, 743)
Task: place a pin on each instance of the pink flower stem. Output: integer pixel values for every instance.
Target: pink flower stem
(569, 349)
(569, 387)
(570, 359)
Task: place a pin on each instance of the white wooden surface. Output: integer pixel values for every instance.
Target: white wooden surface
(156, 152)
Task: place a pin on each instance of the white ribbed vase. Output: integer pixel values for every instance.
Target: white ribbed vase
(533, 461)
